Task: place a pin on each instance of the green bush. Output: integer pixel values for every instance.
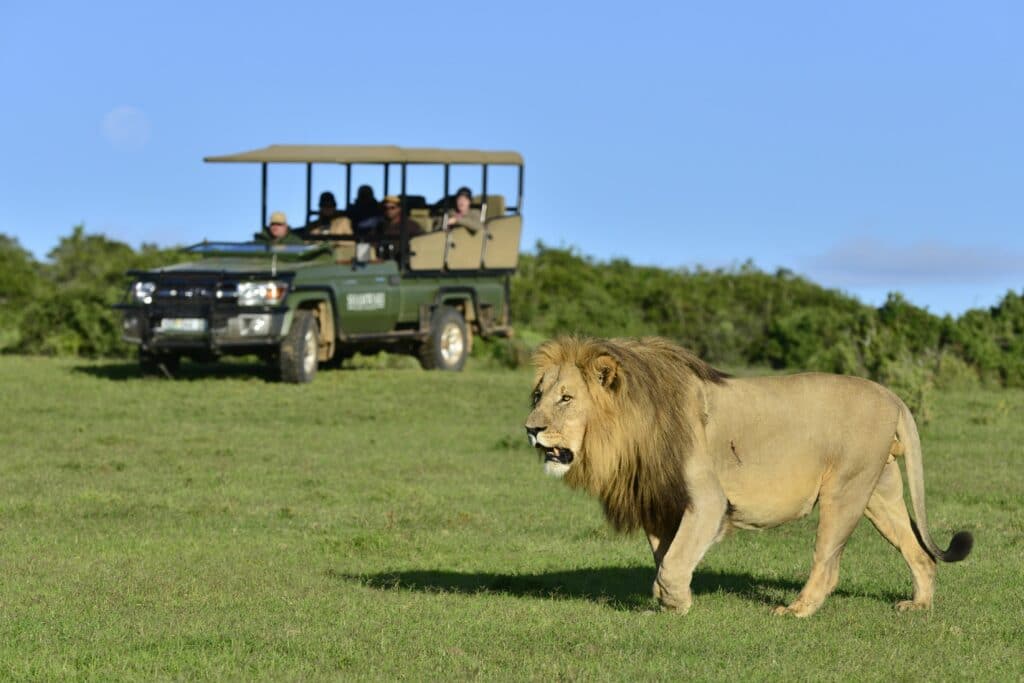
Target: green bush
(510, 353)
(912, 378)
(65, 309)
(993, 341)
(730, 316)
(953, 372)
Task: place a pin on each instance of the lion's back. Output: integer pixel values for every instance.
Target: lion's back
(812, 415)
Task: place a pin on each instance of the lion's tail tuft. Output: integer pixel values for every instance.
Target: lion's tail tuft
(909, 446)
(959, 547)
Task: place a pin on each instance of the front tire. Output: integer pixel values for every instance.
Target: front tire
(448, 344)
(297, 359)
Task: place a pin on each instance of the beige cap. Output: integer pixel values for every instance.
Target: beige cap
(391, 199)
(278, 217)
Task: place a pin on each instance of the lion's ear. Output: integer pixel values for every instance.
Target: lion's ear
(607, 372)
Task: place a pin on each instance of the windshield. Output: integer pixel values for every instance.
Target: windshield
(251, 248)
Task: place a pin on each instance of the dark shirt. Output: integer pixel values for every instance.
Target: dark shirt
(393, 231)
(361, 212)
(389, 236)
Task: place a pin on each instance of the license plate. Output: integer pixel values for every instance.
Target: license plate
(182, 325)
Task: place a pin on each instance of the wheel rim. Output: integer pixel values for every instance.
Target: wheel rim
(309, 360)
(452, 344)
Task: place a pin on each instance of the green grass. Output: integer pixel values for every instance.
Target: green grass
(393, 523)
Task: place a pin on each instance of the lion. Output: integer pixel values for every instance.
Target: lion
(670, 445)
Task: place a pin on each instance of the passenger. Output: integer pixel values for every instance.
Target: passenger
(464, 214)
(365, 211)
(278, 231)
(329, 220)
(389, 231)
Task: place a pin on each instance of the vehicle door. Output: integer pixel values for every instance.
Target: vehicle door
(368, 299)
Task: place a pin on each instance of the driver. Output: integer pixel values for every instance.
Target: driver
(278, 231)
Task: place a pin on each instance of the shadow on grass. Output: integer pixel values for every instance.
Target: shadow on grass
(231, 368)
(623, 588)
(127, 371)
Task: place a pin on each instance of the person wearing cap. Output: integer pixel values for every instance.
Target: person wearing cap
(278, 231)
(464, 215)
(389, 231)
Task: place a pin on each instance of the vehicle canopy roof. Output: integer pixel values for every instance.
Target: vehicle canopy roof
(367, 154)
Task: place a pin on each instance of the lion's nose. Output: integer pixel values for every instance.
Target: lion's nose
(532, 432)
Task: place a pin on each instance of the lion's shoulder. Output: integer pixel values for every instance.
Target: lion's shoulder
(660, 352)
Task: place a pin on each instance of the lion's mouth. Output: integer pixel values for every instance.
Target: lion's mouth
(562, 456)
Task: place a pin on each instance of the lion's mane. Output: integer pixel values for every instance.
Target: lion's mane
(643, 426)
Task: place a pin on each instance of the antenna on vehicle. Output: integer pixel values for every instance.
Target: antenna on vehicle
(483, 197)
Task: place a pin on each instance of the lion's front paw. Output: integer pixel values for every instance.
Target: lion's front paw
(910, 606)
(678, 601)
(797, 609)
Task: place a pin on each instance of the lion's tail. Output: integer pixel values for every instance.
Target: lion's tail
(909, 446)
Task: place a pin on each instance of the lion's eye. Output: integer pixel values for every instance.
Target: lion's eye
(566, 398)
(535, 398)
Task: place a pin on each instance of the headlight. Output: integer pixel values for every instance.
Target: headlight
(261, 293)
(142, 292)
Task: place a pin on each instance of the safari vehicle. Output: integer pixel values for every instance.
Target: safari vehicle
(299, 305)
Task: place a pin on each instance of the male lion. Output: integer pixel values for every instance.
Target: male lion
(671, 445)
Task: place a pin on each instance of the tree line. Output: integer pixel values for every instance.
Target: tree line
(731, 316)
(744, 316)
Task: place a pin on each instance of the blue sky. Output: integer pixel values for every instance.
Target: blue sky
(870, 146)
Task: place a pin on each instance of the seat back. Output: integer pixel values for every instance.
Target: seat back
(415, 201)
(426, 252)
(464, 249)
(340, 225)
(422, 216)
(502, 247)
(344, 252)
(495, 204)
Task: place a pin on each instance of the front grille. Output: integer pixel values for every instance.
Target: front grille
(193, 295)
(186, 293)
(198, 289)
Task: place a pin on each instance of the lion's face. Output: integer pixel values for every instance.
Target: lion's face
(557, 424)
(563, 401)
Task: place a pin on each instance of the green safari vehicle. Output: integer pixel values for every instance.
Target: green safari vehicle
(336, 291)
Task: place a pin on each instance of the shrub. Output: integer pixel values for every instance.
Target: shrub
(953, 372)
(65, 309)
(911, 378)
(731, 316)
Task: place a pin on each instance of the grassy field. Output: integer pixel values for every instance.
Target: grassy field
(383, 524)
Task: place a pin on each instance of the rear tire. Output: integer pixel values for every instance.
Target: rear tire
(297, 359)
(448, 344)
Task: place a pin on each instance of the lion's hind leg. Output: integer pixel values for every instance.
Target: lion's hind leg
(841, 504)
(888, 512)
